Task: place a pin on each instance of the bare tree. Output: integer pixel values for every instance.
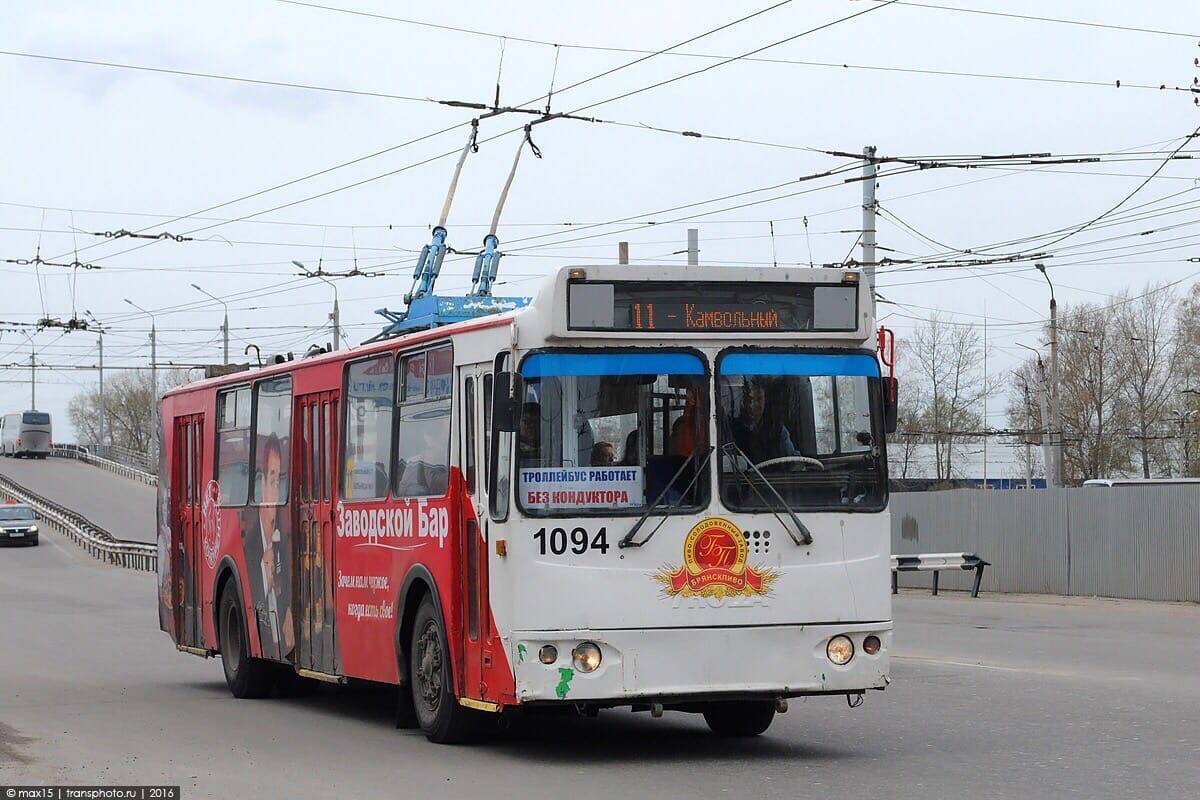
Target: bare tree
(128, 403)
(1096, 422)
(904, 445)
(1149, 354)
(946, 360)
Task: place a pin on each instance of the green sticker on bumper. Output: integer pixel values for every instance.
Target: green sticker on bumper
(565, 674)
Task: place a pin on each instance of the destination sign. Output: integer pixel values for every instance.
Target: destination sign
(712, 307)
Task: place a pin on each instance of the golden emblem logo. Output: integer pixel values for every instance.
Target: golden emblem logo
(714, 565)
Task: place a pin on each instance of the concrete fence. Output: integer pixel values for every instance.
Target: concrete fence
(1137, 541)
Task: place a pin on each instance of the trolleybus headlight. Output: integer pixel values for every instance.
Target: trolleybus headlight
(548, 654)
(586, 657)
(840, 650)
(871, 645)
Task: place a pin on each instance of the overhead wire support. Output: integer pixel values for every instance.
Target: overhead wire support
(122, 233)
(39, 261)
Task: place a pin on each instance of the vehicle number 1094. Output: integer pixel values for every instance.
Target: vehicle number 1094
(556, 541)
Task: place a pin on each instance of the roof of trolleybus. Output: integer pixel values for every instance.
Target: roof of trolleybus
(765, 304)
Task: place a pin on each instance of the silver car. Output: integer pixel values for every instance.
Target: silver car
(18, 524)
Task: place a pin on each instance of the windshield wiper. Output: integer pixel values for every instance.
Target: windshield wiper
(627, 540)
(731, 450)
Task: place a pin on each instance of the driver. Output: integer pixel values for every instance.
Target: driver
(759, 435)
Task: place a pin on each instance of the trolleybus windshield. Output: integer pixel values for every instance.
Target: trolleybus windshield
(808, 423)
(605, 432)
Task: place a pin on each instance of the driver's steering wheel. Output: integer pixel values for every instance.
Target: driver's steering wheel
(805, 460)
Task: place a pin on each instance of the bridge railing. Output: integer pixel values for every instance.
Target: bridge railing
(98, 542)
(123, 467)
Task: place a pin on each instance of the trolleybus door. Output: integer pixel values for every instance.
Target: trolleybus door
(313, 474)
(473, 552)
(186, 550)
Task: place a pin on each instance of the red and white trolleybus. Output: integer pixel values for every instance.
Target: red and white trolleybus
(661, 488)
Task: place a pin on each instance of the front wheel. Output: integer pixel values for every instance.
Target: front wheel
(738, 719)
(437, 710)
(247, 677)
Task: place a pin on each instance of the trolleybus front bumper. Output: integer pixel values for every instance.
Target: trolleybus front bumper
(768, 660)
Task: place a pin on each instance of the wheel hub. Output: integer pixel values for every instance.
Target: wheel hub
(429, 666)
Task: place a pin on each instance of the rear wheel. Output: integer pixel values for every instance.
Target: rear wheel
(247, 677)
(735, 719)
(437, 710)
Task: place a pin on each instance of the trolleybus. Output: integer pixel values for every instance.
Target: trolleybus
(663, 489)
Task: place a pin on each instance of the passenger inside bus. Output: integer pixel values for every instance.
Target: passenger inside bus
(530, 440)
(603, 454)
(652, 419)
(759, 435)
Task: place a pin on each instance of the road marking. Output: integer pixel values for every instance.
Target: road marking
(1058, 673)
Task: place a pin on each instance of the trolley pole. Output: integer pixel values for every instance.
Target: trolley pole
(32, 381)
(870, 170)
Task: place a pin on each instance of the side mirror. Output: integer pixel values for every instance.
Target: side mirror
(507, 398)
(891, 405)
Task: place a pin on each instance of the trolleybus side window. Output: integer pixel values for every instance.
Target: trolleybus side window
(233, 445)
(423, 427)
(367, 451)
(499, 483)
(469, 434)
(272, 440)
(609, 432)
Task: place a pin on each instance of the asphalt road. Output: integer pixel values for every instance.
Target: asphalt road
(1012, 697)
(123, 507)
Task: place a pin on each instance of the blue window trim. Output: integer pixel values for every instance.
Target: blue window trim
(800, 364)
(542, 365)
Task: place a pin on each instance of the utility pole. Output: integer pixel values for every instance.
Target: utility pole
(693, 250)
(1055, 407)
(153, 372)
(870, 170)
(1028, 438)
(337, 326)
(103, 410)
(985, 398)
(622, 252)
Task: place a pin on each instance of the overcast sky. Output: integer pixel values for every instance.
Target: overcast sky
(84, 147)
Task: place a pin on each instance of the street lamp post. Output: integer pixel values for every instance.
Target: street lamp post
(1047, 449)
(335, 316)
(153, 366)
(1055, 408)
(224, 325)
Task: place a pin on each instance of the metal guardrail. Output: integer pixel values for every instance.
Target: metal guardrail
(98, 542)
(83, 454)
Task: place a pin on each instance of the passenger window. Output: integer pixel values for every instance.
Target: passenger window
(233, 446)
(369, 401)
(469, 434)
(487, 425)
(272, 441)
(423, 429)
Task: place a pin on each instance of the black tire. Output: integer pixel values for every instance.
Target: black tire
(247, 677)
(738, 719)
(437, 710)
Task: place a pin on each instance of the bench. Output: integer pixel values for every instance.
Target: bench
(935, 563)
